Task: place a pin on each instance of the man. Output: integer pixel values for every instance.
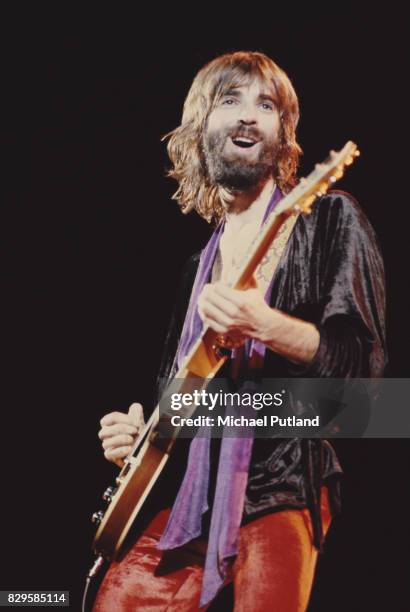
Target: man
(234, 155)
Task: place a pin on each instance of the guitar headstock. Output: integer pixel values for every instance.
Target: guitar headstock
(317, 183)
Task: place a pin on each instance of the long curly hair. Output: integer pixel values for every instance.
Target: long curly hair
(195, 190)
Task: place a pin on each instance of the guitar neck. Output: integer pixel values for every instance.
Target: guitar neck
(259, 250)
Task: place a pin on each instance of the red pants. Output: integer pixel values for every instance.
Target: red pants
(273, 570)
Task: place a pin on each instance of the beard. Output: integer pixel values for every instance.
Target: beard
(235, 173)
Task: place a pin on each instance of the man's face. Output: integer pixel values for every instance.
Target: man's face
(241, 137)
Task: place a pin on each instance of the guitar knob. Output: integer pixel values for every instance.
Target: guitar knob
(97, 517)
(108, 494)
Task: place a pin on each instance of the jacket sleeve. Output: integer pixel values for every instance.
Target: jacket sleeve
(352, 291)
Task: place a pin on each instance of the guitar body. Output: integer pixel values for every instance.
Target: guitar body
(151, 452)
(136, 485)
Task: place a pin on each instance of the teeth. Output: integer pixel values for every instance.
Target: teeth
(243, 139)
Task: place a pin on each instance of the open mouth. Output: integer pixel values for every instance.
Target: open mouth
(243, 142)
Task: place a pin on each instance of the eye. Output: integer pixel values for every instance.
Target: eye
(267, 106)
(228, 101)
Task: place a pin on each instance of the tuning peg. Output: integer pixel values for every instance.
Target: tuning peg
(332, 179)
(97, 517)
(108, 494)
(348, 161)
(356, 153)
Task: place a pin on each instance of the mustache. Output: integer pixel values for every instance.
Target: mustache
(245, 132)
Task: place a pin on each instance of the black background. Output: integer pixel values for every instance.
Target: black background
(92, 250)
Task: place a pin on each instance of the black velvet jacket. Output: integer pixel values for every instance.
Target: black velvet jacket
(331, 274)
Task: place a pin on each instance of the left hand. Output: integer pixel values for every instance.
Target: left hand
(235, 312)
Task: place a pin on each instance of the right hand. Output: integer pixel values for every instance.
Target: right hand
(119, 431)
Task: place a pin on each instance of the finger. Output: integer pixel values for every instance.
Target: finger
(118, 441)
(213, 314)
(115, 417)
(241, 298)
(222, 303)
(136, 413)
(114, 454)
(120, 428)
(220, 329)
(233, 295)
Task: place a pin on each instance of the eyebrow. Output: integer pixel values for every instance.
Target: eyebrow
(233, 91)
(264, 96)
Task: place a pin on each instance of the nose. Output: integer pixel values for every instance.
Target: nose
(247, 115)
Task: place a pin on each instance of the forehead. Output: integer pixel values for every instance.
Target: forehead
(253, 83)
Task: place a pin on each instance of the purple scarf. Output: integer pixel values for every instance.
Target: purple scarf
(185, 521)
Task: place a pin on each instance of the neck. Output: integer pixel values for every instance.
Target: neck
(239, 202)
